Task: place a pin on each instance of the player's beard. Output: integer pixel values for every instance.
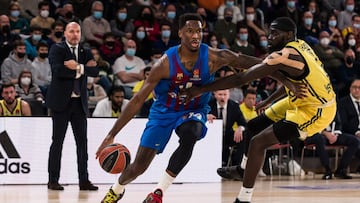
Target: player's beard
(10, 101)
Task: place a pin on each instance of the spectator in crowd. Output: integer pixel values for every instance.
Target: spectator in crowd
(32, 42)
(213, 42)
(81, 8)
(225, 29)
(228, 110)
(68, 15)
(157, 8)
(263, 50)
(26, 89)
(308, 30)
(350, 42)
(111, 49)
(345, 16)
(95, 93)
(42, 69)
(247, 107)
(253, 25)
(57, 33)
(330, 56)
(165, 41)
(290, 10)
(10, 105)
(138, 85)
(236, 93)
(95, 26)
(134, 8)
(43, 20)
(353, 28)
(105, 70)
(7, 38)
(143, 44)
(241, 44)
(313, 7)
(170, 15)
(155, 56)
(67, 99)
(122, 26)
(335, 33)
(237, 15)
(56, 8)
(148, 21)
(127, 69)
(333, 135)
(18, 24)
(112, 105)
(348, 72)
(16, 62)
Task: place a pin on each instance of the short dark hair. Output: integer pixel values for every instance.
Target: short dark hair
(250, 91)
(41, 44)
(189, 16)
(115, 88)
(6, 85)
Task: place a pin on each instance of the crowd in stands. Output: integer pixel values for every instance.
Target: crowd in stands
(127, 36)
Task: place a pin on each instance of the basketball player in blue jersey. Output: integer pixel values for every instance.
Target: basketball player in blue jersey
(189, 64)
(293, 115)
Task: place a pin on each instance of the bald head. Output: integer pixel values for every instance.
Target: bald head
(72, 33)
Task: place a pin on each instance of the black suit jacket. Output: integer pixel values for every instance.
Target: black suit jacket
(59, 93)
(233, 114)
(348, 115)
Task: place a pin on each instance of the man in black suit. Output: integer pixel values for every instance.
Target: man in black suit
(349, 109)
(224, 108)
(67, 99)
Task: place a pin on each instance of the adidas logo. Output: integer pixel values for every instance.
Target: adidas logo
(6, 164)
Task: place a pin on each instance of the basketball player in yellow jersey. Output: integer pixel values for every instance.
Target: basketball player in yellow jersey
(291, 117)
(11, 106)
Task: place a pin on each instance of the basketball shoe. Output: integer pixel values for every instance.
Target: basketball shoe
(111, 197)
(154, 197)
(232, 172)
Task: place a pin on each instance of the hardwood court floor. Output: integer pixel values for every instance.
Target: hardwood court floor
(284, 189)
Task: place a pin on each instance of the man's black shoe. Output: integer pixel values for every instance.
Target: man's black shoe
(87, 185)
(342, 174)
(238, 201)
(327, 176)
(231, 172)
(55, 186)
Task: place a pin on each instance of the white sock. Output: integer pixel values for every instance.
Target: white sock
(243, 162)
(117, 188)
(165, 182)
(245, 194)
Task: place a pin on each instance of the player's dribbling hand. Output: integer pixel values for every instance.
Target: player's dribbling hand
(186, 95)
(108, 140)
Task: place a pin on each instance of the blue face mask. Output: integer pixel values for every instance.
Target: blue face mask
(140, 35)
(264, 43)
(98, 14)
(349, 8)
(171, 15)
(122, 16)
(15, 13)
(36, 37)
(308, 21)
(130, 52)
(166, 33)
(332, 23)
(243, 37)
(291, 4)
(229, 3)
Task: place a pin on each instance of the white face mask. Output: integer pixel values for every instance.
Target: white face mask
(25, 81)
(44, 13)
(325, 41)
(352, 42)
(213, 43)
(250, 17)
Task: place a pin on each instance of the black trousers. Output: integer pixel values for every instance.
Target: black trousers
(60, 120)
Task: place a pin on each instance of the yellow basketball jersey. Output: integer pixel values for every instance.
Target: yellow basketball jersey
(17, 110)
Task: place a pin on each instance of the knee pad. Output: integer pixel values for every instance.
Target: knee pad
(286, 130)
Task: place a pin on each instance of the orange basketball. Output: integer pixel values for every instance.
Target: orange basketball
(114, 158)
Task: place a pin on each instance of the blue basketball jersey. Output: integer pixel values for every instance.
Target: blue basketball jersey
(167, 91)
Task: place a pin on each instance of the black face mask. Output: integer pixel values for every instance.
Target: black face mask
(58, 34)
(349, 60)
(69, 15)
(6, 29)
(228, 19)
(43, 55)
(110, 43)
(20, 55)
(147, 16)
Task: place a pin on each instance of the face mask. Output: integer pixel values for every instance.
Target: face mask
(263, 43)
(58, 34)
(291, 4)
(250, 17)
(332, 23)
(356, 25)
(98, 15)
(352, 42)
(229, 3)
(25, 81)
(20, 55)
(140, 35)
(44, 13)
(228, 19)
(243, 37)
(308, 21)
(122, 16)
(166, 33)
(130, 52)
(110, 43)
(171, 15)
(213, 43)
(69, 15)
(43, 55)
(147, 16)
(5, 29)
(350, 8)
(15, 13)
(36, 37)
(349, 60)
(325, 41)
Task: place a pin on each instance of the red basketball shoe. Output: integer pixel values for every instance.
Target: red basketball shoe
(154, 197)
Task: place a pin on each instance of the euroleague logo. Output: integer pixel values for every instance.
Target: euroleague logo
(9, 162)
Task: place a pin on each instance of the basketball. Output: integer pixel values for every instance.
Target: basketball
(114, 158)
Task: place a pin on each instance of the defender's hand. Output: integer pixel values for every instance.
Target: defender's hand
(108, 140)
